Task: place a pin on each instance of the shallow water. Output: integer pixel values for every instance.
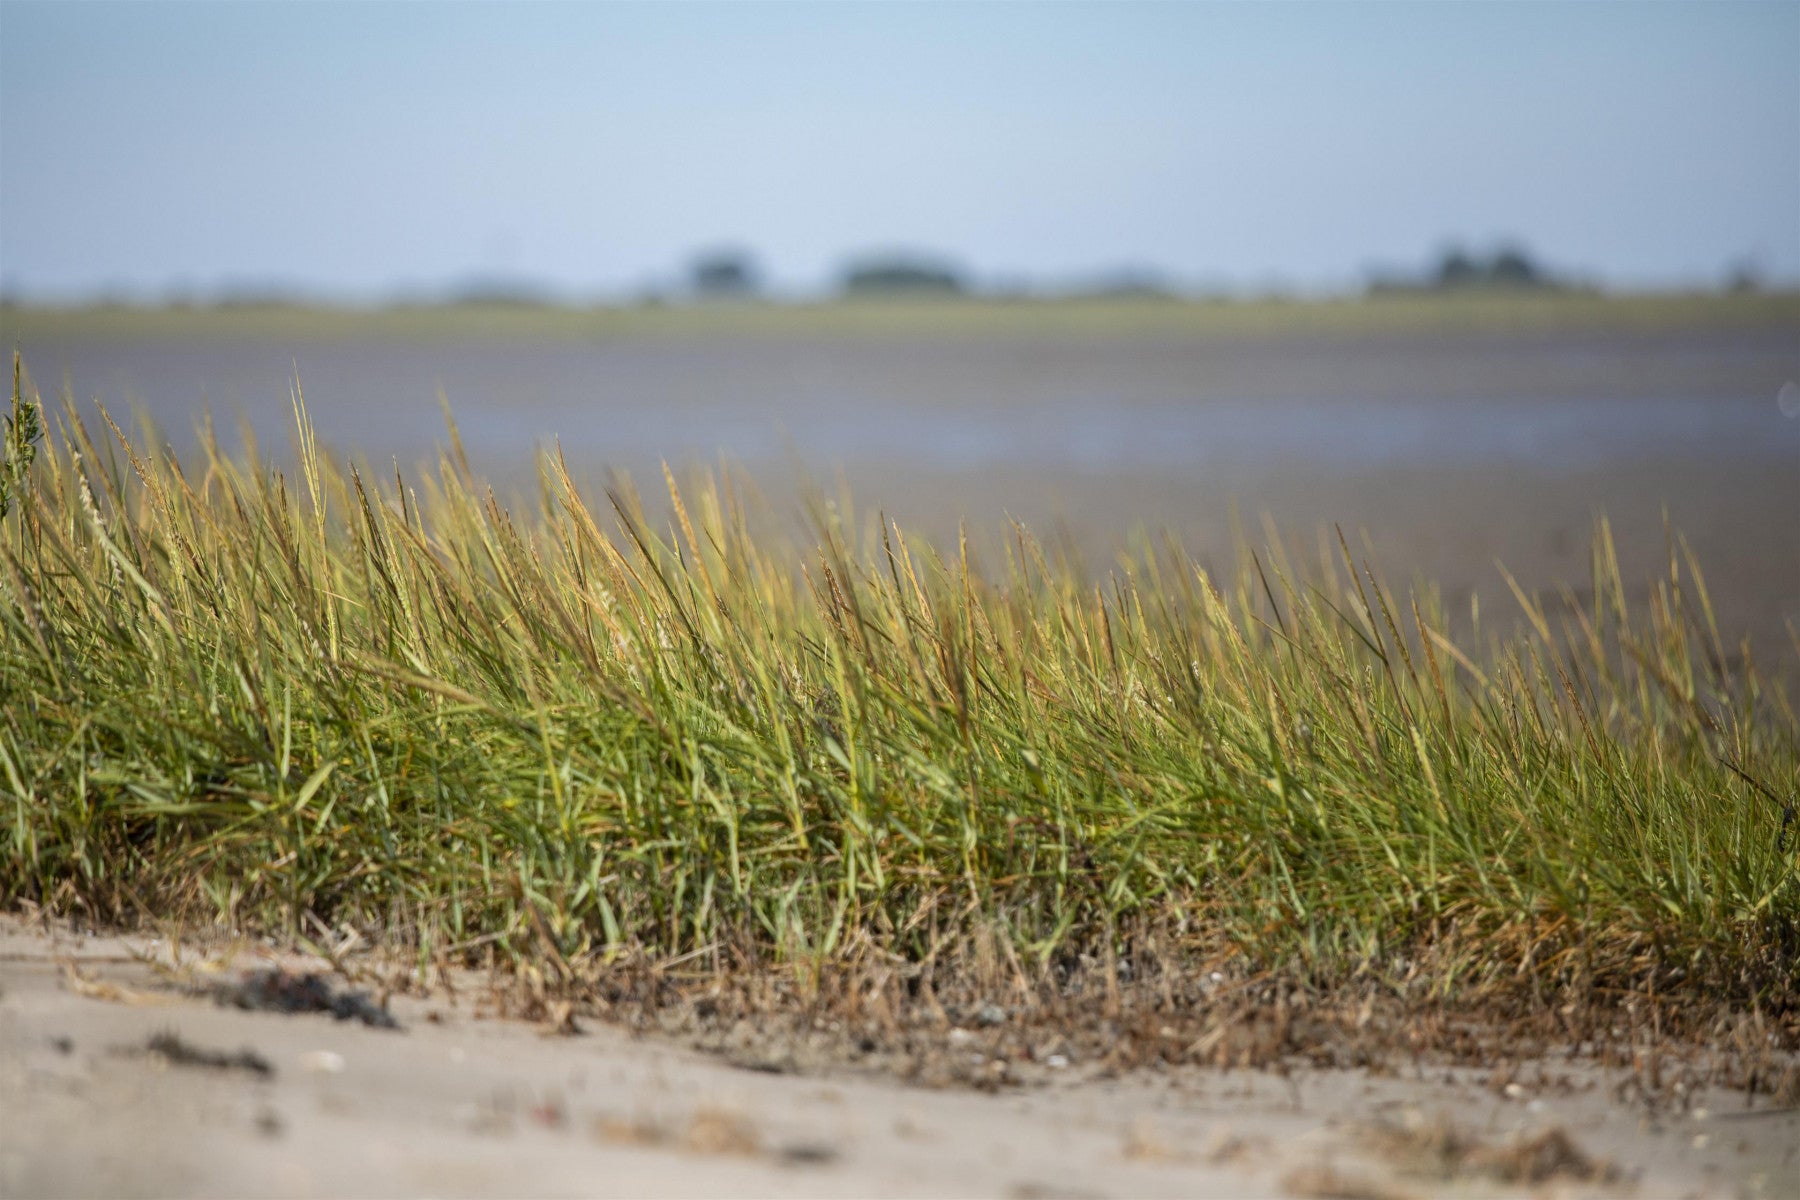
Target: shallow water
(1100, 406)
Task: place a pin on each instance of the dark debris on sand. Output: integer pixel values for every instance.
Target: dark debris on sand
(276, 990)
(171, 1047)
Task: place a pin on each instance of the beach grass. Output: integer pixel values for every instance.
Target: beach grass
(292, 700)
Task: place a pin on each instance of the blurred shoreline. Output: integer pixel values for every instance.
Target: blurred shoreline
(1502, 312)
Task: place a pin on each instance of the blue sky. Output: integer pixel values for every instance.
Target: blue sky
(358, 148)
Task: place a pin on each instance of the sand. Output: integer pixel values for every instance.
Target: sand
(460, 1104)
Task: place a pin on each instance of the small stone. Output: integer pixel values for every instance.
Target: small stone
(991, 1014)
(807, 1153)
(322, 1062)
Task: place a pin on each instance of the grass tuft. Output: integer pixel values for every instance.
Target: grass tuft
(240, 695)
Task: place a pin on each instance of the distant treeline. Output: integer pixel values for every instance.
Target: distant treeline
(733, 274)
(1508, 267)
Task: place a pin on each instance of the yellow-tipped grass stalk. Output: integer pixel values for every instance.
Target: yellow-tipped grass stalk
(414, 711)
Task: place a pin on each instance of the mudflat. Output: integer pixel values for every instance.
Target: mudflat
(120, 1075)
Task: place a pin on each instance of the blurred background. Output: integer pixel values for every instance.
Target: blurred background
(1461, 276)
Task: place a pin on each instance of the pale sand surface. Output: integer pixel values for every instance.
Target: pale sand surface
(479, 1106)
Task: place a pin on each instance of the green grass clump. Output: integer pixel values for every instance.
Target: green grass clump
(232, 693)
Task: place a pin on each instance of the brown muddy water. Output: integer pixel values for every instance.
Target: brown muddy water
(1450, 449)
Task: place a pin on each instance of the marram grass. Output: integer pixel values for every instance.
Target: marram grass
(230, 693)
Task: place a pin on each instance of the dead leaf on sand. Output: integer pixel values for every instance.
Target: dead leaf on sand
(709, 1131)
(715, 1131)
(1438, 1150)
(100, 989)
(619, 1131)
(1144, 1143)
(1320, 1182)
(1033, 1190)
(559, 1020)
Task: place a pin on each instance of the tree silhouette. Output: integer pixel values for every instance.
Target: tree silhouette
(724, 274)
(902, 273)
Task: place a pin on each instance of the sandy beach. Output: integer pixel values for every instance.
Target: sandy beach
(457, 1103)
